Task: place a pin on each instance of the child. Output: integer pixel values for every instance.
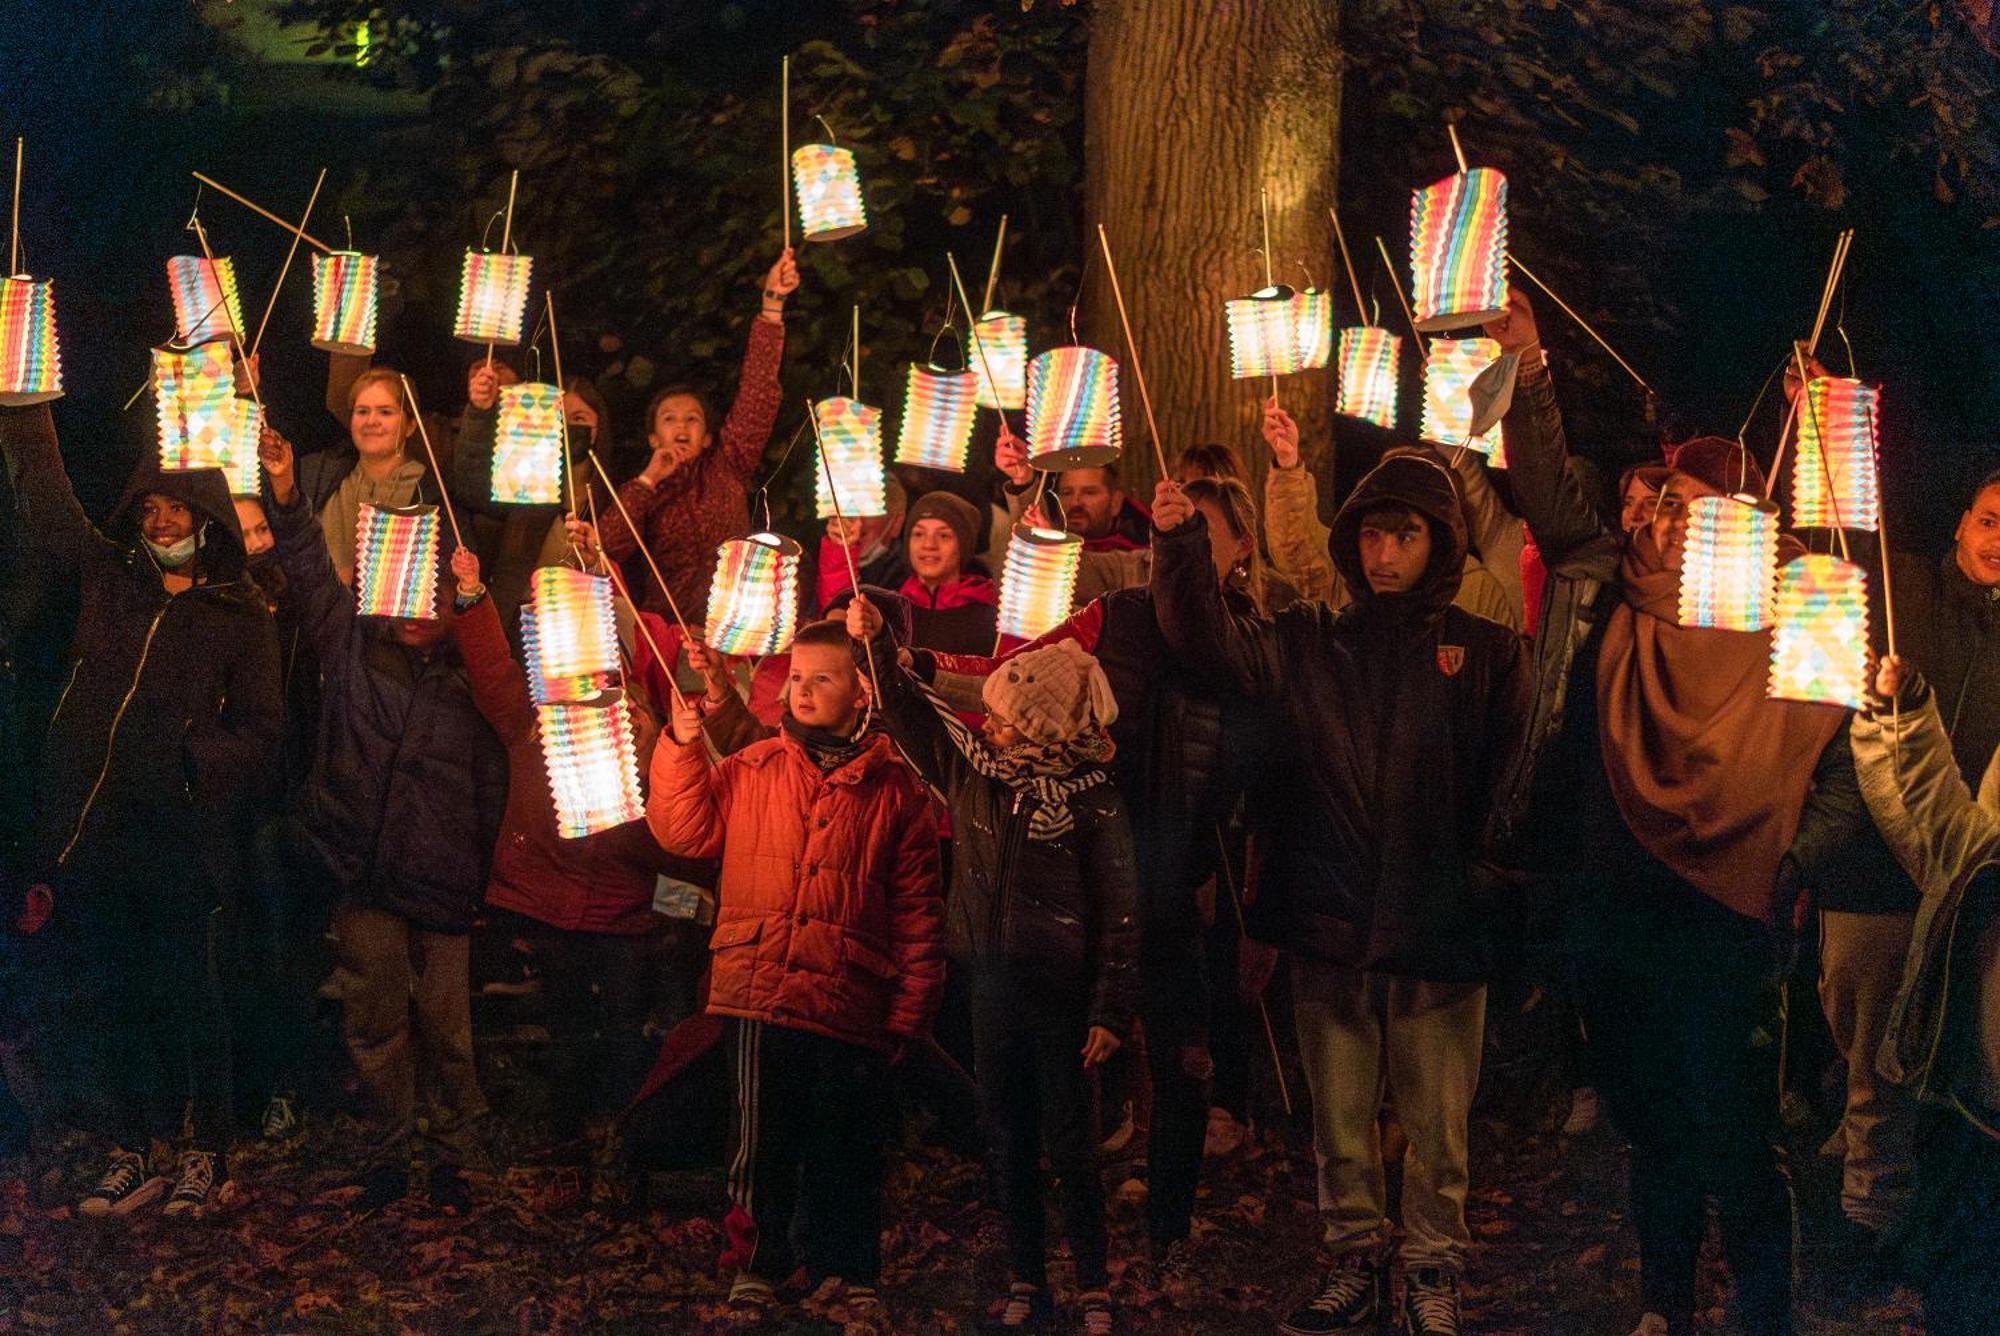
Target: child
(827, 953)
(1043, 888)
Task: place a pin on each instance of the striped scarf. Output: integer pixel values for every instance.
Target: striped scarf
(1050, 773)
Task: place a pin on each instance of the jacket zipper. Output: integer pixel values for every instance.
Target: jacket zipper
(111, 737)
(1003, 875)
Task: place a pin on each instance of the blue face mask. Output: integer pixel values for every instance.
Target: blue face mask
(175, 555)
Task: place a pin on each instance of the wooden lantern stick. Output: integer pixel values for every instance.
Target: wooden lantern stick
(1529, 274)
(263, 212)
(14, 252)
(1236, 903)
(1360, 306)
(1132, 351)
(235, 335)
(992, 275)
(1825, 464)
(1840, 248)
(506, 236)
(1457, 151)
(1264, 211)
(1396, 283)
(1784, 438)
(854, 363)
(286, 268)
(639, 625)
(785, 146)
(639, 539)
(972, 321)
(562, 394)
(423, 434)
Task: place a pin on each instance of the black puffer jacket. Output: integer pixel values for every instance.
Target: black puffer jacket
(1951, 631)
(171, 712)
(1402, 712)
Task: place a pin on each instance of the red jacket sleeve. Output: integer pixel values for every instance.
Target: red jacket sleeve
(616, 536)
(755, 411)
(832, 579)
(499, 684)
(916, 920)
(685, 801)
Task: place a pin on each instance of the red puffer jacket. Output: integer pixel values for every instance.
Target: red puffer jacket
(830, 918)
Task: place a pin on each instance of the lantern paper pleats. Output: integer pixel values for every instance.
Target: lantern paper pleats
(194, 393)
(346, 285)
(753, 605)
(206, 304)
(1312, 312)
(1819, 651)
(1837, 438)
(1729, 565)
(1263, 334)
(569, 637)
(395, 561)
(998, 344)
(1038, 581)
(850, 443)
(528, 445)
(1073, 415)
(829, 192)
(593, 765)
(939, 410)
(1449, 370)
(493, 297)
(238, 455)
(1368, 375)
(30, 361)
(1458, 250)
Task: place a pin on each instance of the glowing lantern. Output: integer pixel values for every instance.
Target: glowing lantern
(396, 561)
(194, 393)
(1729, 565)
(569, 637)
(345, 288)
(1820, 649)
(528, 445)
(1263, 334)
(1073, 416)
(1837, 437)
(939, 410)
(593, 764)
(998, 343)
(1368, 375)
(30, 361)
(492, 297)
(1038, 582)
(1312, 309)
(1458, 250)
(850, 442)
(1449, 370)
(237, 452)
(829, 192)
(206, 305)
(753, 605)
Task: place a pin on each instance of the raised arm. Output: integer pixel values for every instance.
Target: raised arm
(499, 683)
(1912, 785)
(53, 518)
(1187, 600)
(685, 799)
(324, 606)
(755, 411)
(472, 457)
(930, 737)
(1292, 528)
(1495, 531)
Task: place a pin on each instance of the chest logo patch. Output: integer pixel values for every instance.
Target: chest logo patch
(1450, 658)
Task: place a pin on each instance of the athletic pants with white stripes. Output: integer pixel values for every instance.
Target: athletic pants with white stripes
(810, 1121)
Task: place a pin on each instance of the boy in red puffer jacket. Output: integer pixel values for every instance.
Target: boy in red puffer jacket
(828, 952)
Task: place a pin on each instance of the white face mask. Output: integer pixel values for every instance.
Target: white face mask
(175, 555)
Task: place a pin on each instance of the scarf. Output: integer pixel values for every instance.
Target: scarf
(1050, 773)
(1708, 772)
(828, 750)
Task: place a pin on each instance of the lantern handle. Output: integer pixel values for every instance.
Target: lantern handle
(1396, 282)
(831, 141)
(348, 223)
(486, 232)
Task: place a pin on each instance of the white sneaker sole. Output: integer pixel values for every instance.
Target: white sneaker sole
(145, 1194)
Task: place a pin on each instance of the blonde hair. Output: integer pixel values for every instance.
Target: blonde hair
(380, 375)
(1232, 498)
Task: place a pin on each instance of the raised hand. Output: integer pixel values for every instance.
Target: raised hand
(1171, 507)
(1814, 370)
(482, 386)
(781, 282)
(1010, 456)
(1890, 675)
(686, 721)
(465, 565)
(864, 622)
(1281, 433)
(274, 452)
(1515, 331)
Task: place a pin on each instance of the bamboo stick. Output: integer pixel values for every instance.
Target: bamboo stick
(263, 212)
(286, 268)
(506, 236)
(992, 273)
(423, 434)
(785, 145)
(1360, 306)
(639, 538)
(1132, 351)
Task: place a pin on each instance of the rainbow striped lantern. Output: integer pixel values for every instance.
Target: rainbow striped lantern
(346, 285)
(850, 445)
(493, 297)
(593, 764)
(1837, 438)
(1458, 250)
(1038, 582)
(1729, 566)
(1312, 309)
(194, 393)
(998, 343)
(1820, 649)
(1449, 370)
(1368, 375)
(569, 637)
(939, 409)
(1263, 334)
(829, 192)
(528, 445)
(753, 605)
(1073, 416)
(396, 561)
(30, 360)
(206, 305)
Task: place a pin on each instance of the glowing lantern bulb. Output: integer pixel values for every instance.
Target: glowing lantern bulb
(850, 442)
(528, 445)
(1450, 367)
(396, 561)
(1312, 311)
(593, 764)
(940, 409)
(206, 304)
(998, 344)
(493, 297)
(1263, 334)
(569, 636)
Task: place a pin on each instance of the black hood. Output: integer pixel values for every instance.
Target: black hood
(1425, 486)
(204, 491)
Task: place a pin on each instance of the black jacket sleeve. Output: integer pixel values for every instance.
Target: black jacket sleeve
(911, 719)
(1111, 871)
(1242, 650)
(230, 754)
(1566, 528)
(324, 607)
(50, 512)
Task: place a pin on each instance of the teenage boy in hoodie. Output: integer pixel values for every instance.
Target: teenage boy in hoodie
(1407, 710)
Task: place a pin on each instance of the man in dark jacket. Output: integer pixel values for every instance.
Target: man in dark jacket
(1405, 710)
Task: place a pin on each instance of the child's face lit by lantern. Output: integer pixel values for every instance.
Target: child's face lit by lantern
(824, 689)
(934, 554)
(1978, 539)
(378, 425)
(257, 539)
(679, 432)
(164, 520)
(999, 734)
(1670, 514)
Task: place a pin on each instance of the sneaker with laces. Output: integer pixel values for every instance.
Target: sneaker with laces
(752, 1297)
(1352, 1293)
(127, 1185)
(1026, 1309)
(862, 1312)
(1098, 1317)
(281, 1119)
(1430, 1302)
(202, 1172)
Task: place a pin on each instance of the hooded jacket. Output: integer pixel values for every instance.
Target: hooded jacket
(1400, 713)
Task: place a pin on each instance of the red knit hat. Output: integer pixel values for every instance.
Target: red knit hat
(1719, 462)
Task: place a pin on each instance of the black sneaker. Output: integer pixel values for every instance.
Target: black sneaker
(202, 1173)
(449, 1192)
(1027, 1308)
(380, 1186)
(1352, 1293)
(127, 1185)
(1430, 1302)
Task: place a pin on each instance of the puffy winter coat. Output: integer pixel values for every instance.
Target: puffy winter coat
(829, 917)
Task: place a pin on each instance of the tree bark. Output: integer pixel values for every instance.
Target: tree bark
(1191, 107)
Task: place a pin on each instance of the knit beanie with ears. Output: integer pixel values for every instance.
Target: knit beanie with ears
(1051, 694)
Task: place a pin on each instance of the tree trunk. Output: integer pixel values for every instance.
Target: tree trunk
(1192, 106)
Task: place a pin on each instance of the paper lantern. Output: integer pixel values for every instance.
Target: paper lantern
(1263, 334)
(850, 443)
(569, 635)
(30, 361)
(1458, 250)
(1450, 367)
(206, 305)
(194, 393)
(1729, 564)
(1837, 437)
(1038, 581)
(346, 285)
(396, 561)
(1073, 415)
(939, 410)
(753, 604)
(493, 297)
(1368, 381)
(593, 764)
(998, 343)
(1819, 651)
(528, 445)
(829, 192)
(237, 455)
(1312, 310)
